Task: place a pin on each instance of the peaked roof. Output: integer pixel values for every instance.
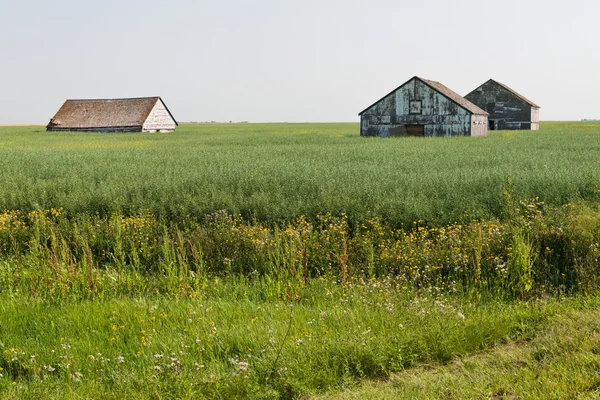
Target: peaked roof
(531, 103)
(105, 113)
(443, 90)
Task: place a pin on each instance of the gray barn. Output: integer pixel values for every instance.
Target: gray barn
(508, 109)
(143, 114)
(421, 107)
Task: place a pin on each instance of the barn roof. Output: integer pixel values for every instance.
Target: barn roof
(105, 113)
(444, 91)
(520, 96)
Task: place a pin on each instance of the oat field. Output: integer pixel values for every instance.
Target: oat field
(277, 172)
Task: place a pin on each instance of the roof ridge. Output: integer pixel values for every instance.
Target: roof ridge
(118, 98)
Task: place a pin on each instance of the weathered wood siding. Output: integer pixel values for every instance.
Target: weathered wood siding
(507, 111)
(159, 120)
(479, 125)
(99, 129)
(535, 118)
(439, 115)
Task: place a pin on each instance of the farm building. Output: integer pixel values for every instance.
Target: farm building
(421, 107)
(508, 109)
(144, 114)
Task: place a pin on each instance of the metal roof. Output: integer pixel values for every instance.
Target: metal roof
(105, 113)
(443, 90)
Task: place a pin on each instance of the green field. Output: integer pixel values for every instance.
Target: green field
(286, 261)
(276, 172)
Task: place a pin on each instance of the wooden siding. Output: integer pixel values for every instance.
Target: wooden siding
(479, 125)
(507, 110)
(439, 115)
(100, 129)
(159, 119)
(535, 118)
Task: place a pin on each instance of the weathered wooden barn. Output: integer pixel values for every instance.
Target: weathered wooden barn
(143, 114)
(421, 107)
(508, 109)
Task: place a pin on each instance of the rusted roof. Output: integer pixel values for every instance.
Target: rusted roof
(105, 113)
(520, 96)
(444, 91)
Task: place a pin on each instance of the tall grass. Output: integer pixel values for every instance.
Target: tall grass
(278, 172)
(539, 250)
(233, 343)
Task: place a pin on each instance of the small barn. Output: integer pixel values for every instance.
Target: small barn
(508, 109)
(420, 107)
(143, 114)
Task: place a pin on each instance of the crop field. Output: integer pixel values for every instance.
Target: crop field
(277, 172)
(286, 261)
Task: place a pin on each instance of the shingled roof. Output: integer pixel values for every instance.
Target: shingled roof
(444, 91)
(105, 113)
(455, 97)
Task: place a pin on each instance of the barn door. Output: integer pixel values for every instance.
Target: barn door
(415, 130)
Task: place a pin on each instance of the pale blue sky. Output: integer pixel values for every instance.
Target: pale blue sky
(307, 60)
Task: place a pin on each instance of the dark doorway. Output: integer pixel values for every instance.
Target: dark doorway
(492, 125)
(415, 130)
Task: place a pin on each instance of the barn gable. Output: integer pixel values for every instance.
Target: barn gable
(421, 107)
(113, 115)
(159, 119)
(508, 109)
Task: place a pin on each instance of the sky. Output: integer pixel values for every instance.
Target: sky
(294, 61)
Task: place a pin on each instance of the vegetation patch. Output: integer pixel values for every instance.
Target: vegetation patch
(562, 362)
(275, 261)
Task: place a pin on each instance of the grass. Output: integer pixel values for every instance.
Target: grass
(277, 172)
(280, 261)
(562, 361)
(231, 343)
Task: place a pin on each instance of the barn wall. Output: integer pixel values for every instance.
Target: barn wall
(507, 111)
(97, 129)
(535, 118)
(439, 115)
(159, 120)
(479, 125)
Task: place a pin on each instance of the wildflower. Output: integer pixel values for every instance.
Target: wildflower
(120, 359)
(460, 315)
(157, 368)
(76, 376)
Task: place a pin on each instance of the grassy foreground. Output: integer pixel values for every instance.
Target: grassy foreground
(562, 362)
(233, 344)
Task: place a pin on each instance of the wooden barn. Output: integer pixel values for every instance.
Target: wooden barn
(508, 109)
(143, 114)
(421, 107)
